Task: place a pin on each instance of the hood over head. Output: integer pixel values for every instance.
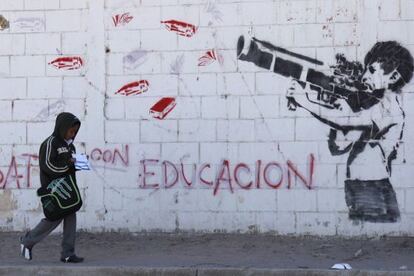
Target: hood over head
(64, 121)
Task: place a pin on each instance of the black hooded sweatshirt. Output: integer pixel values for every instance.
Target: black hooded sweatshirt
(55, 153)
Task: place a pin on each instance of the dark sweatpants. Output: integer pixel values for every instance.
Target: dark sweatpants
(45, 227)
(371, 200)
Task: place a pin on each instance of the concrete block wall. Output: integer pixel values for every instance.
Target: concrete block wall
(229, 156)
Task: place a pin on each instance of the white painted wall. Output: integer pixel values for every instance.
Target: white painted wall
(232, 112)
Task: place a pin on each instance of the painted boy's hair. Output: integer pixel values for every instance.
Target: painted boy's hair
(392, 56)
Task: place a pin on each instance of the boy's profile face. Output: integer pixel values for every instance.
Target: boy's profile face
(71, 132)
(375, 77)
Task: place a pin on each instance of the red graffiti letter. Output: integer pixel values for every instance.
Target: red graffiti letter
(29, 165)
(266, 175)
(107, 156)
(225, 169)
(125, 159)
(210, 183)
(236, 173)
(144, 164)
(292, 167)
(258, 166)
(189, 183)
(16, 176)
(1, 178)
(96, 154)
(166, 184)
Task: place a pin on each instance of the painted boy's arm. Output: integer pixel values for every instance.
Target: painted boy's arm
(342, 118)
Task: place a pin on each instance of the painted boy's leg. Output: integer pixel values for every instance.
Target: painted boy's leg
(371, 200)
(69, 236)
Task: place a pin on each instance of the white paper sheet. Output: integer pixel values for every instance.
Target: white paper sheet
(82, 162)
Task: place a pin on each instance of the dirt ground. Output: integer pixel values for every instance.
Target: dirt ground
(219, 250)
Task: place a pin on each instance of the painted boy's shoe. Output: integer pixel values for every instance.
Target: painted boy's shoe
(72, 259)
(24, 251)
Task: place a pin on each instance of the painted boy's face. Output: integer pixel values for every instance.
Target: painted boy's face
(375, 77)
(70, 134)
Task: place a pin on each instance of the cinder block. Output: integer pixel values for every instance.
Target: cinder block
(197, 84)
(259, 107)
(214, 153)
(151, 63)
(41, 4)
(346, 34)
(250, 153)
(196, 130)
(38, 132)
(187, 108)
(159, 131)
(74, 43)
(409, 202)
(75, 87)
(138, 108)
(115, 64)
(407, 7)
(296, 200)
(26, 200)
(162, 85)
(247, 200)
(388, 31)
(73, 4)
(187, 13)
(337, 11)
(260, 13)
(75, 106)
(11, 5)
(115, 109)
(390, 10)
(6, 153)
(64, 21)
(27, 22)
(13, 133)
(310, 129)
(313, 35)
(44, 87)
(331, 200)
(158, 40)
(4, 67)
(27, 66)
(235, 130)
(113, 200)
(27, 110)
(236, 84)
(5, 110)
(273, 130)
(123, 40)
(121, 131)
(220, 108)
(13, 88)
(180, 153)
(12, 44)
(314, 223)
(297, 12)
(229, 15)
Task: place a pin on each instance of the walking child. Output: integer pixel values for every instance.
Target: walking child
(57, 166)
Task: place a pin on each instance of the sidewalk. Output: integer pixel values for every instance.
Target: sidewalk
(210, 254)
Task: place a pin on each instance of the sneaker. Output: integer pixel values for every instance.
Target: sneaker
(24, 251)
(72, 259)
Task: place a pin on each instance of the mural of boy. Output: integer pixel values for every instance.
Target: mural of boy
(366, 102)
